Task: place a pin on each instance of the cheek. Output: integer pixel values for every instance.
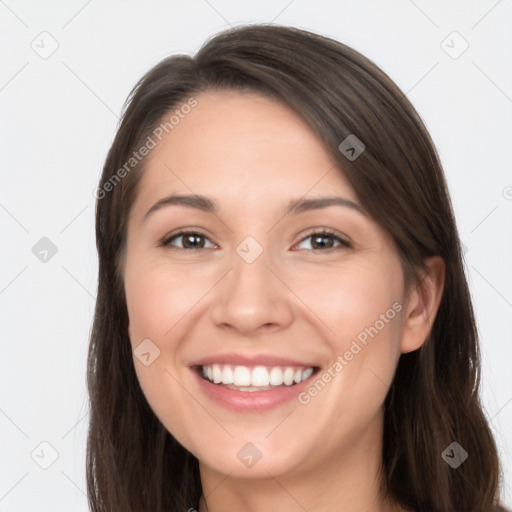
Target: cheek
(360, 309)
(158, 298)
(350, 299)
(158, 301)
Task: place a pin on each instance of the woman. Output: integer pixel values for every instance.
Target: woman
(283, 321)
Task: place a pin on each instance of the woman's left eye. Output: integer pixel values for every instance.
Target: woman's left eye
(324, 240)
(321, 241)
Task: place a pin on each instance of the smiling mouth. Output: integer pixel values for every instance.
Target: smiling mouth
(256, 378)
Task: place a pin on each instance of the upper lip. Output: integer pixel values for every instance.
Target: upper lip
(250, 360)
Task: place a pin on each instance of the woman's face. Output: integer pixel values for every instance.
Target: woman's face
(258, 286)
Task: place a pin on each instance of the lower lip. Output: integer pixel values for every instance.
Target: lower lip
(247, 401)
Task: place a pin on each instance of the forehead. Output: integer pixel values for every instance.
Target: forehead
(242, 145)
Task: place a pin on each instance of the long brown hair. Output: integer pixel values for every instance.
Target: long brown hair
(133, 462)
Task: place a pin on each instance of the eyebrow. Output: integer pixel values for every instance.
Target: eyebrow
(296, 206)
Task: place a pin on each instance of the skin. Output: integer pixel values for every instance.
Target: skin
(253, 155)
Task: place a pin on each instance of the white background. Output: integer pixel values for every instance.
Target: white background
(58, 117)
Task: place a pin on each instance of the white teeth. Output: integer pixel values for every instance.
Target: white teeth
(307, 373)
(227, 375)
(242, 376)
(276, 376)
(217, 374)
(246, 378)
(260, 377)
(288, 376)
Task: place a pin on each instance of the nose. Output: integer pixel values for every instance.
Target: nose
(252, 298)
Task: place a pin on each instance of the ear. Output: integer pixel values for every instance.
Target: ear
(422, 305)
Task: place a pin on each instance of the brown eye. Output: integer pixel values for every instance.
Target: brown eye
(325, 241)
(189, 240)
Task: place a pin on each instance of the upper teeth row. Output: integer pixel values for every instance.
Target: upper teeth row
(258, 376)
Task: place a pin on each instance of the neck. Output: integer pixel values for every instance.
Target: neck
(348, 481)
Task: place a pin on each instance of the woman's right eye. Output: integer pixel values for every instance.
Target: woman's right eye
(190, 240)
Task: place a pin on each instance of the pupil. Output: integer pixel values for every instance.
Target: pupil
(322, 244)
(188, 238)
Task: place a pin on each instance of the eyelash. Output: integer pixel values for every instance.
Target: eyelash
(343, 244)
